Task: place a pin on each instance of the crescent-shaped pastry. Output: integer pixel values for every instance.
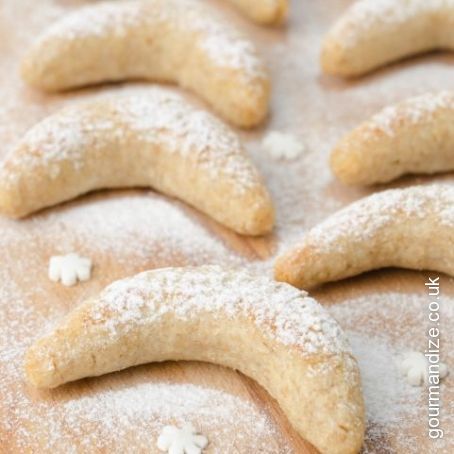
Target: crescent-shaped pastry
(268, 12)
(151, 139)
(373, 33)
(408, 228)
(177, 41)
(415, 136)
(270, 331)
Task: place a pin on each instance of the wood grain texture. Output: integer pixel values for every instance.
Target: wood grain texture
(317, 108)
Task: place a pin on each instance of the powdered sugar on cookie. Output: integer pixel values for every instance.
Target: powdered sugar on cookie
(411, 111)
(284, 314)
(383, 209)
(226, 46)
(364, 14)
(152, 115)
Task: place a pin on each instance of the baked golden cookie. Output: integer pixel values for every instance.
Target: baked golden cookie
(409, 228)
(373, 33)
(150, 138)
(270, 331)
(177, 41)
(414, 136)
(268, 12)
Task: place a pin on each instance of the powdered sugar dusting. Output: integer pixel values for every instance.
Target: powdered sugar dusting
(282, 313)
(365, 15)
(155, 117)
(390, 400)
(129, 232)
(134, 230)
(412, 111)
(106, 17)
(365, 218)
(106, 417)
(224, 45)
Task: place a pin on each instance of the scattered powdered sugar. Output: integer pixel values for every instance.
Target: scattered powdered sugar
(197, 23)
(367, 217)
(155, 116)
(412, 111)
(391, 401)
(111, 417)
(107, 416)
(96, 20)
(280, 145)
(280, 311)
(366, 15)
(53, 141)
(133, 230)
(130, 232)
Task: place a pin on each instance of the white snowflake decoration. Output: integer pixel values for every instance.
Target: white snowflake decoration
(280, 145)
(415, 368)
(181, 441)
(69, 269)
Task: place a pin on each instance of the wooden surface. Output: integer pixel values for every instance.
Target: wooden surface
(317, 108)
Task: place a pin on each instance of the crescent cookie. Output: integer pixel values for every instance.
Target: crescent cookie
(178, 41)
(409, 228)
(146, 139)
(415, 136)
(373, 33)
(270, 331)
(268, 12)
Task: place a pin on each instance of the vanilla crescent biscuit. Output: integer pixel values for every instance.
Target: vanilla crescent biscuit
(373, 33)
(178, 41)
(268, 12)
(409, 228)
(270, 331)
(144, 139)
(414, 136)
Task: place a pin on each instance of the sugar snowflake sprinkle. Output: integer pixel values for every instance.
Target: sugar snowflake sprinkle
(69, 269)
(181, 441)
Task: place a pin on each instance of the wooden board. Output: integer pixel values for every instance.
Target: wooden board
(125, 232)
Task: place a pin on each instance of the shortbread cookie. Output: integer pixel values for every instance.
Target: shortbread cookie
(415, 136)
(145, 139)
(178, 41)
(409, 228)
(373, 33)
(270, 331)
(269, 12)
